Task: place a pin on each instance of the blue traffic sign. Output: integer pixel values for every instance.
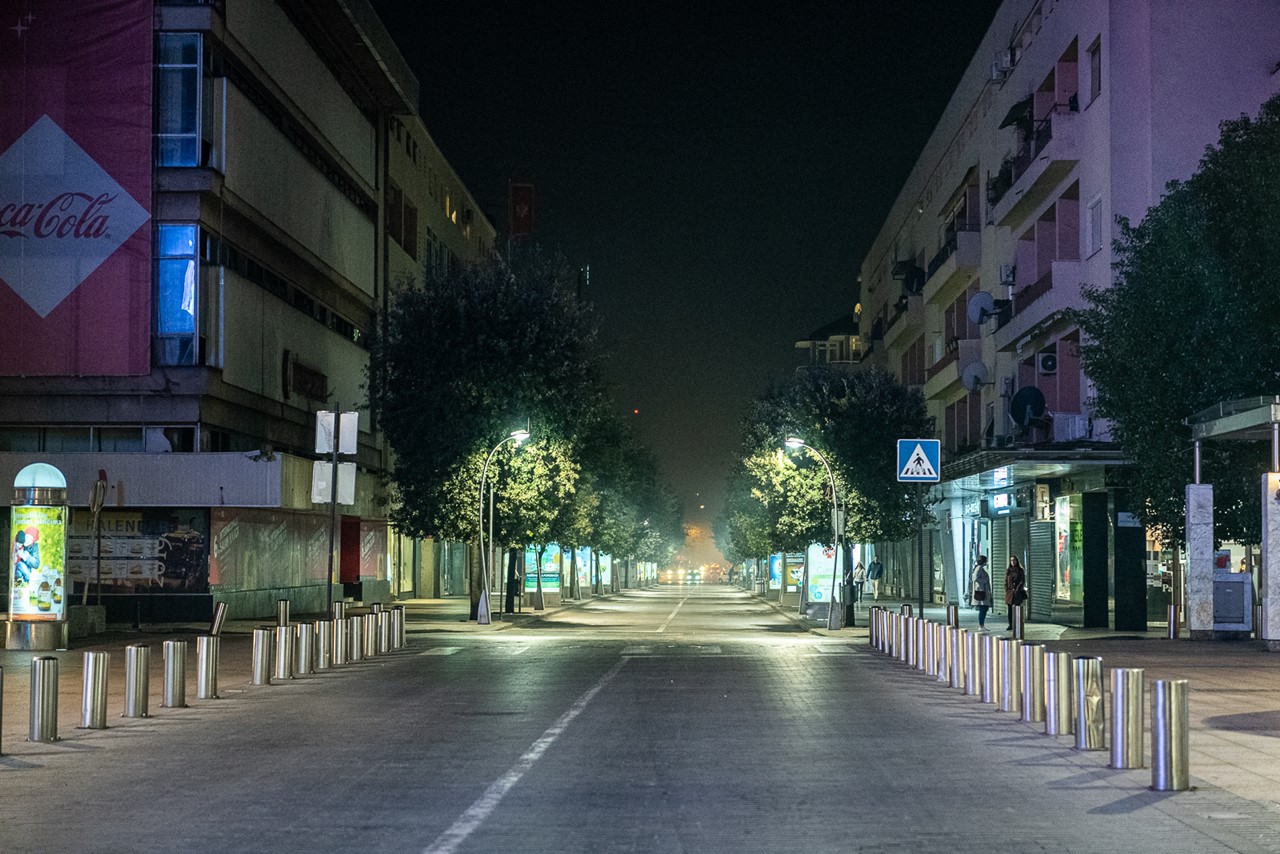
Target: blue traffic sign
(919, 460)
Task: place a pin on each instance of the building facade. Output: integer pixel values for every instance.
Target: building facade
(1070, 116)
(227, 219)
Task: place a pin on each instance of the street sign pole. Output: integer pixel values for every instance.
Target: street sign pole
(333, 504)
(920, 543)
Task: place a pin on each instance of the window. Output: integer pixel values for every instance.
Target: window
(176, 268)
(1095, 71)
(178, 99)
(1095, 225)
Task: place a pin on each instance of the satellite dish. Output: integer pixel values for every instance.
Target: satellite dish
(1026, 406)
(973, 376)
(983, 306)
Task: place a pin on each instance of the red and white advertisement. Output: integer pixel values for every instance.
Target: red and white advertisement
(75, 187)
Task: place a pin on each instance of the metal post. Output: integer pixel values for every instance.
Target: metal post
(931, 649)
(958, 639)
(1019, 622)
(207, 649)
(1174, 628)
(1257, 621)
(355, 636)
(972, 665)
(905, 610)
(262, 655)
(1170, 738)
(1090, 714)
(324, 645)
(340, 642)
(1197, 461)
(909, 642)
(333, 498)
(872, 635)
(946, 651)
(284, 652)
(305, 647)
(924, 629)
(384, 632)
(174, 653)
(93, 711)
(1057, 694)
(989, 667)
(339, 611)
(44, 699)
(900, 637)
(1, 710)
(1126, 717)
(219, 617)
(1033, 682)
(1010, 676)
(137, 680)
(282, 612)
(953, 615)
(370, 635)
(920, 544)
(398, 639)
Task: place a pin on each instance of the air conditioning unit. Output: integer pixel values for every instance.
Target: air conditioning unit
(1008, 274)
(1046, 364)
(1002, 64)
(1070, 427)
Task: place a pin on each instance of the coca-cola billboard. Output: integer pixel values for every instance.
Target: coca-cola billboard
(75, 187)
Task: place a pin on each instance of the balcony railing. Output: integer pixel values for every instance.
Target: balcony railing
(1024, 297)
(1033, 144)
(949, 243)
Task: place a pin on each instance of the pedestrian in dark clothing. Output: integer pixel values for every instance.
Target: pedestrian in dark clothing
(1015, 586)
(875, 572)
(982, 591)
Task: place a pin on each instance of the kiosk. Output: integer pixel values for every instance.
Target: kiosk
(38, 560)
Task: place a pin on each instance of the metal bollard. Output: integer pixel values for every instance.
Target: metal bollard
(339, 611)
(282, 612)
(946, 651)
(44, 699)
(1033, 682)
(284, 652)
(370, 635)
(1010, 676)
(1174, 628)
(262, 655)
(931, 649)
(900, 638)
(340, 641)
(1, 711)
(909, 641)
(990, 669)
(1257, 621)
(207, 648)
(174, 653)
(93, 711)
(872, 633)
(972, 665)
(905, 610)
(955, 678)
(376, 608)
(384, 632)
(1090, 715)
(1170, 738)
(324, 645)
(924, 628)
(219, 617)
(355, 637)
(305, 648)
(953, 615)
(398, 639)
(1126, 717)
(1019, 622)
(1057, 694)
(137, 681)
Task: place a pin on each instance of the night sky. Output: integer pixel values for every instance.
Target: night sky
(722, 172)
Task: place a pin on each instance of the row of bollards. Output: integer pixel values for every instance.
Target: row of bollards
(1063, 692)
(283, 652)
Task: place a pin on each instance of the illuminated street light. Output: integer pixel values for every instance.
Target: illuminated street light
(833, 615)
(483, 615)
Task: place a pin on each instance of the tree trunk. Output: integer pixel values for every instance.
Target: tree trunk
(473, 573)
(539, 603)
(511, 582)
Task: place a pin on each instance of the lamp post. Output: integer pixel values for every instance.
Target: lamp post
(482, 609)
(833, 614)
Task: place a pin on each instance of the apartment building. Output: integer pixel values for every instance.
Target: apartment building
(233, 192)
(1071, 114)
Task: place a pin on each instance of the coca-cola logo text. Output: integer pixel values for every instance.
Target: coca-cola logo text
(75, 215)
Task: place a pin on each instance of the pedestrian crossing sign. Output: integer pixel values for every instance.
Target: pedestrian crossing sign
(919, 460)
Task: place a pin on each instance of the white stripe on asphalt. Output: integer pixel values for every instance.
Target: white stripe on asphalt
(662, 628)
(470, 821)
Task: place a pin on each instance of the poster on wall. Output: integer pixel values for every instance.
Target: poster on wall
(37, 563)
(775, 572)
(822, 573)
(155, 550)
(75, 188)
(794, 571)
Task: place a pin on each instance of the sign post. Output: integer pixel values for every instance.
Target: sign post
(919, 462)
(333, 482)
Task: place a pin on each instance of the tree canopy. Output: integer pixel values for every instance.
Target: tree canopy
(1190, 322)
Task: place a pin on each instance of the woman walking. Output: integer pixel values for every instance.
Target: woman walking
(1015, 586)
(982, 591)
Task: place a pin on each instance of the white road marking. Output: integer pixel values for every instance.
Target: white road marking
(672, 616)
(470, 821)
(441, 650)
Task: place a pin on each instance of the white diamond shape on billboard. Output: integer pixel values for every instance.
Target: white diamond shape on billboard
(61, 216)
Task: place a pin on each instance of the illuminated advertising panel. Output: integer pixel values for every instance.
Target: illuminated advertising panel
(75, 188)
(37, 563)
(549, 570)
(775, 572)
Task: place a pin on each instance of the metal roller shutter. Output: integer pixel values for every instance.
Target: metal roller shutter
(999, 557)
(1040, 572)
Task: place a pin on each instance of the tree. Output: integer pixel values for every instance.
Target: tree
(1190, 322)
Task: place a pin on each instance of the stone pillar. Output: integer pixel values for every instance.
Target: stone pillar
(1270, 560)
(1199, 570)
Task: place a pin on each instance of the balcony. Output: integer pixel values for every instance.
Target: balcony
(1025, 181)
(954, 265)
(907, 317)
(1039, 305)
(943, 375)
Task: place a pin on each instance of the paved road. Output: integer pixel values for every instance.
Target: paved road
(689, 719)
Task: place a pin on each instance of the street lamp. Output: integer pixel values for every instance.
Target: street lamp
(483, 616)
(833, 616)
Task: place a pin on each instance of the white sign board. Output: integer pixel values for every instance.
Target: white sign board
(348, 438)
(321, 482)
